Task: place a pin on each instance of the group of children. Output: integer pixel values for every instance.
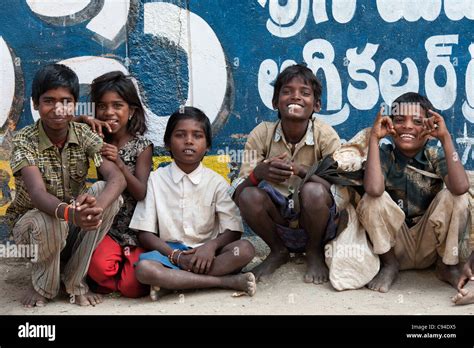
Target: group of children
(180, 226)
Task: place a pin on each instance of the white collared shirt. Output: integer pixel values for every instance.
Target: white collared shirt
(188, 208)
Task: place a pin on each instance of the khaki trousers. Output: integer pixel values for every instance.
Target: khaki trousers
(439, 232)
(51, 236)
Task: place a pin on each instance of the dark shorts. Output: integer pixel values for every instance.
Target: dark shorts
(163, 259)
(296, 239)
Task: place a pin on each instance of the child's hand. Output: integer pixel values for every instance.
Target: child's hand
(435, 126)
(96, 125)
(276, 169)
(88, 219)
(299, 169)
(84, 201)
(86, 215)
(110, 152)
(382, 127)
(202, 258)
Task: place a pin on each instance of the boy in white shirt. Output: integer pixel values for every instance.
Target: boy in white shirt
(188, 219)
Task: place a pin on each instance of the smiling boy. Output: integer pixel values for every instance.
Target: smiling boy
(281, 154)
(49, 160)
(412, 221)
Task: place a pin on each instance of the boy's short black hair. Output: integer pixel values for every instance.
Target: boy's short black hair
(410, 98)
(54, 76)
(297, 71)
(186, 113)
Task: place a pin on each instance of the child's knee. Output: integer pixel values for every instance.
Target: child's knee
(252, 197)
(245, 250)
(144, 269)
(314, 195)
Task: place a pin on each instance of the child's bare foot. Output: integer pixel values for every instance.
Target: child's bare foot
(242, 282)
(384, 279)
(273, 261)
(316, 270)
(32, 299)
(448, 273)
(87, 299)
(465, 296)
(156, 292)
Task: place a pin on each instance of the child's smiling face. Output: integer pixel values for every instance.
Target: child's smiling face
(114, 110)
(296, 100)
(188, 144)
(409, 129)
(56, 108)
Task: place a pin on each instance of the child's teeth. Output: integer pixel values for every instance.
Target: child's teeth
(293, 107)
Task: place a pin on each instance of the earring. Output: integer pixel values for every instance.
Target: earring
(130, 117)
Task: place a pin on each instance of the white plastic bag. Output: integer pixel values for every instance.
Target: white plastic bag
(349, 257)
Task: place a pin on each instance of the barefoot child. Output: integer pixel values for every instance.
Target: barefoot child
(50, 159)
(279, 155)
(412, 221)
(188, 219)
(465, 285)
(118, 105)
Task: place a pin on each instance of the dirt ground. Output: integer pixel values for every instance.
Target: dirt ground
(415, 293)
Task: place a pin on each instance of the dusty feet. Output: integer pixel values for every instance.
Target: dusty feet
(384, 279)
(448, 273)
(87, 299)
(32, 299)
(243, 282)
(273, 261)
(156, 292)
(316, 270)
(466, 295)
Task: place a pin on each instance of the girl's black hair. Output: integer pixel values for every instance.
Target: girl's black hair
(117, 82)
(297, 71)
(186, 113)
(53, 76)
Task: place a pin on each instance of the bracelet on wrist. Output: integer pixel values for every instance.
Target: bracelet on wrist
(253, 179)
(57, 210)
(66, 214)
(171, 256)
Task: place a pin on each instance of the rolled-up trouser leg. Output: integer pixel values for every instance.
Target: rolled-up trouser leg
(84, 243)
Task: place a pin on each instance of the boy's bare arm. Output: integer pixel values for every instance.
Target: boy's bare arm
(199, 260)
(456, 181)
(41, 199)
(114, 183)
(136, 183)
(225, 238)
(49, 204)
(374, 183)
(151, 241)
